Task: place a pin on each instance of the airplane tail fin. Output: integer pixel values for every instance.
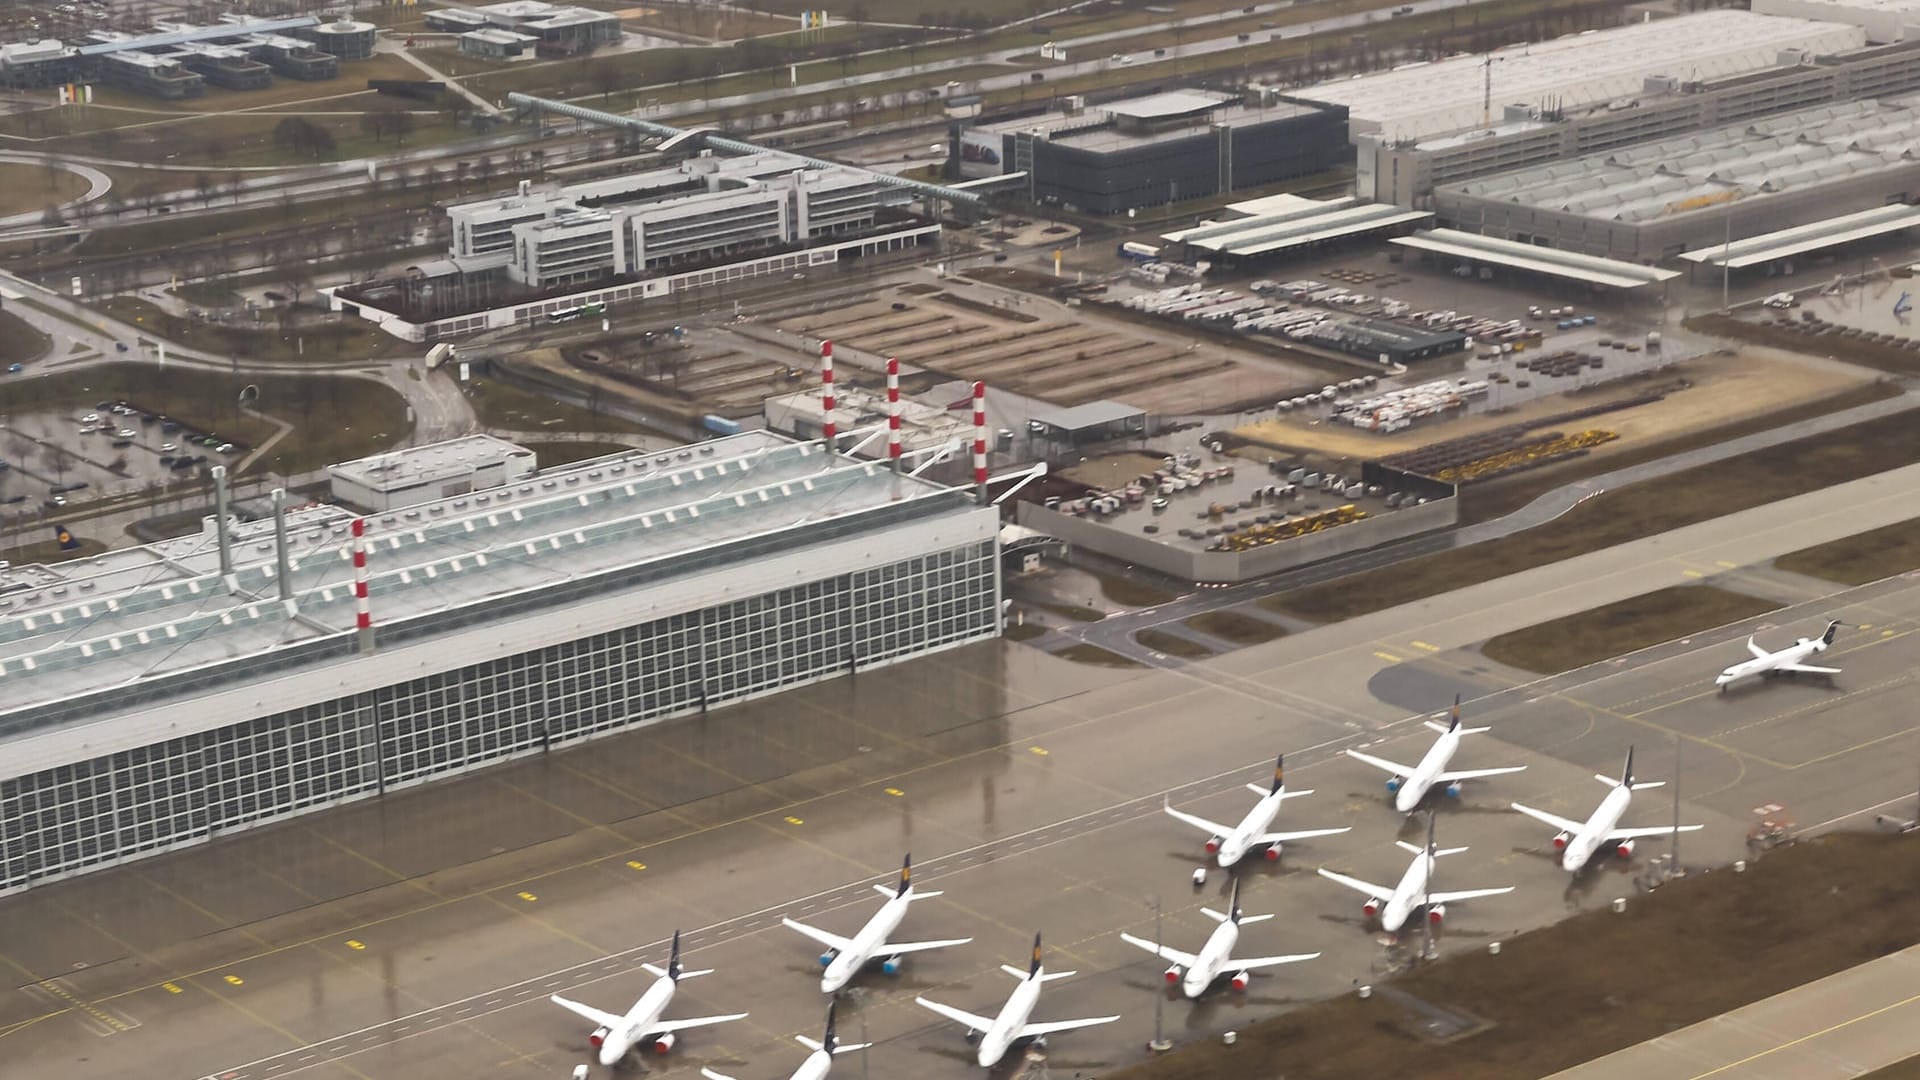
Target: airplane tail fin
(1279, 772)
(1626, 774)
(1233, 902)
(1034, 968)
(828, 1041)
(1827, 638)
(906, 873)
(673, 959)
(1453, 721)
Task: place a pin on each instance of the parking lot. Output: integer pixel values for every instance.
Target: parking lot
(59, 458)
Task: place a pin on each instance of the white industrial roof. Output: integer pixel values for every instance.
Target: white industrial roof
(109, 42)
(423, 464)
(1830, 232)
(1704, 171)
(1296, 226)
(499, 37)
(1171, 103)
(1536, 259)
(1604, 65)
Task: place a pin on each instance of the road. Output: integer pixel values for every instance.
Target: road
(98, 184)
(414, 936)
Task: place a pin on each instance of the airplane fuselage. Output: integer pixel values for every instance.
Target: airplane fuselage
(616, 1043)
(1211, 959)
(1415, 787)
(1605, 818)
(872, 938)
(1760, 665)
(1257, 823)
(1013, 1016)
(1407, 895)
(816, 1067)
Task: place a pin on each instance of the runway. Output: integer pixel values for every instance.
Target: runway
(416, 936)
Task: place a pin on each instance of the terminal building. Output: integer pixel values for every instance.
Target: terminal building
(1150, 151)
(155, 698)
(177, 60)
(549, 29)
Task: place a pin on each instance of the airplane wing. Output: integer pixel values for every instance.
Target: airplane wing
(1542, 816)
(1808, 669)
(1465, 894)
(662, 1027)
(588, 1012)
(896, 948)
(1641, 834)
(1357, 885)
(1034, 1031)
(1758, 652)
(1164, 952)
(1475, 774)
(1265, 962)
(1302, 834)
(977, 1023)
(831, 941)
(1380, 763)
(711, 1075)
(1198, 822)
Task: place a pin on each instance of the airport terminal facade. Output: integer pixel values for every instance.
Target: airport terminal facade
(849, 569)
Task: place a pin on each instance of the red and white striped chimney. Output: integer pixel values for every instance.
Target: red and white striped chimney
(980, 440)
(893, 412)
(826, 393)
(363, 613)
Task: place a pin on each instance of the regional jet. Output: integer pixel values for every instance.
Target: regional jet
(1394, 906)
(845, 957)
(997, 1034)
(1215, 958)
(1230, 843)
(614, 1035)
(1577, 840)
(1785, 662)
(818, 1063)
(1410, 785)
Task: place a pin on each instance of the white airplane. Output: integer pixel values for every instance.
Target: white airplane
(1409, 786)
(614, 1036)
(998, 1033)
(1230, 843)
(818, 1063)
(1215, 958)
(845, 957)
(1787, 661)
(1394, 906)
(1577, 840)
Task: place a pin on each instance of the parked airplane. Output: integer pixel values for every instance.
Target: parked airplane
(1577, 841)
(1787, 661)
(1394, 906)
(818, 1063)
(997, 1034)
(614, 1036)
(1409, 786)
(845, 957)
(1230, 843)
(1215, 958)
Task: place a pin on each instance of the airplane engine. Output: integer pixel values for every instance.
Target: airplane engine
(1393, 785)
(1370, 908)
(663, 1043)
(1240, 979)
(1273, 853)
(1436, 913)
(599, 1036)
(1173, 974)
(1453, 791)
(1625, 850)
(891, 965)
(1560, 842)
(1213, 845)
(826, 958)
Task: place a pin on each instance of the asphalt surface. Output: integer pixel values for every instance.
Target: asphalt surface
(416, 935)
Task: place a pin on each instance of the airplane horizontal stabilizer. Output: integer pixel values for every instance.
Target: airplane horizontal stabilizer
(1263, 792)
(711, 1075)
(831, 941)
(1245, 919)
(1198, 822)
(972, 1020)
(1476, 774)
(1300, 834)
(1034, 1031)
(1164, 952)
(1641, 834)
(1465, 894)
(900, 948)
(1381, 763)
(1368, 887)
(1435, 725)
(1259, 962)
(663, 1027)
(588, 1012)
(1550, 819)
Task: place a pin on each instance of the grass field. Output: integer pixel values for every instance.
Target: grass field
(1628, 513)
(509, 408)
(551, 454)
(207, 294)
(1173, 644)
(1588, 637)
(48, 551)
(340, 338)
(19, 341)
(1692, 950)
(1237, 627)
(335, 418)
(1128, 592)
(31, 187)
(1863, 557)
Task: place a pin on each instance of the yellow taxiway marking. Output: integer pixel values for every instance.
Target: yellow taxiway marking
(1037, 751)
(235, 980)
(1814, 1035)
(1387, 656)
(636, 864)
(528, 897)
(356, 946)
(1427, 647)
(1725, 563)
(895, 792)
(791, 820)
(1692, 573)
(171, 988)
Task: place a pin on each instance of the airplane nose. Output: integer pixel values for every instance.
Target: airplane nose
(610, 1054)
